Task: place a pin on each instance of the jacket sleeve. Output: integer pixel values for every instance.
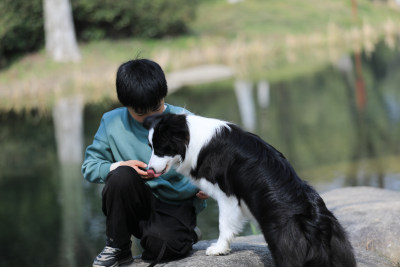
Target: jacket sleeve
(98, 157)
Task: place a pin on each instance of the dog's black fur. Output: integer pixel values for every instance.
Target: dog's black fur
(298, 227)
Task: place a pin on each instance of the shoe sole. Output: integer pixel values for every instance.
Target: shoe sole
(125, 262)
(119, 263)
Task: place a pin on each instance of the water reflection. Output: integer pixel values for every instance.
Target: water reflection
(68, 128)
(336, 130)
(245, 99)
(247, 102)
(72, 223)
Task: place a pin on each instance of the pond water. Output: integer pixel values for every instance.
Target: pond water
(339, 126)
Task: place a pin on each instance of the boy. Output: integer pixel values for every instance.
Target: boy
(118, 156)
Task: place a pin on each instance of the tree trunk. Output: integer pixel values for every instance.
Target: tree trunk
(60, 37)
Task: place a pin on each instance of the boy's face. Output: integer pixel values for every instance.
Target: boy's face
(139, 117)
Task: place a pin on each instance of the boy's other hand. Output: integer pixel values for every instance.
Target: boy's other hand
(136, 164)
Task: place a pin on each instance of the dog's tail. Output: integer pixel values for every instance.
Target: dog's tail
(332, 238)
(310, 241)
(342, 254)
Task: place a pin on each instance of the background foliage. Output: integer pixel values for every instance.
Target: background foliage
(22, 30)
(21, 27)
(116, 19)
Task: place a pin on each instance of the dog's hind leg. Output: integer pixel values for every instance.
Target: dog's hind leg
(231, 221)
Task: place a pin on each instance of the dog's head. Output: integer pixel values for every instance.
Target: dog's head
(168, 139)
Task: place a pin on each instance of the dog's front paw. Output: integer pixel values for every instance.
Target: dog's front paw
(217, 249)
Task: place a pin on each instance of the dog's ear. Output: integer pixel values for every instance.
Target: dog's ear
(151, 121)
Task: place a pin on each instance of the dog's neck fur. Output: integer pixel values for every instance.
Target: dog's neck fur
(201, 130)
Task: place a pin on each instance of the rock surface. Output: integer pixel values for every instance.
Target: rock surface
(370, 215)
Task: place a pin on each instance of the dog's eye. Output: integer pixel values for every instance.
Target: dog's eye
(150, 146)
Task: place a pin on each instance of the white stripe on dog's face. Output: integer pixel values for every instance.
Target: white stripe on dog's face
(160, 164)
(150, 137)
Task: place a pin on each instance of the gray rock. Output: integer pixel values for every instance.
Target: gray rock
(246, 251)
(251, 251)
(370, 216)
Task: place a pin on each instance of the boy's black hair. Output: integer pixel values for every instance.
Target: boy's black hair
(141, 84)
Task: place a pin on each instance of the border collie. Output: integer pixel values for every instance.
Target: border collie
(249, 179)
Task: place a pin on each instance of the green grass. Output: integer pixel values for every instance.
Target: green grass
(258, 39)
(277, 17)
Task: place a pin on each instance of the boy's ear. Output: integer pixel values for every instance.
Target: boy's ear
(151, 121)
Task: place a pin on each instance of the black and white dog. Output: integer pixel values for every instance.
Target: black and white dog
(249, 179)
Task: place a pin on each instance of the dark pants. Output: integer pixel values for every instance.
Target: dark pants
(127, 203)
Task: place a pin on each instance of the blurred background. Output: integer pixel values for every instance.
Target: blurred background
(317, 79)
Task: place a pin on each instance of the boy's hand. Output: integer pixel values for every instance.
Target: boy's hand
(202, 195)
(136, 164)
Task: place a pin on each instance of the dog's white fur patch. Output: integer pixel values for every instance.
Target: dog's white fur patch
(201, 131)
(151, 133)
(232, 217)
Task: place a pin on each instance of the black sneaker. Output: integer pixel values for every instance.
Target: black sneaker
(111, 257)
